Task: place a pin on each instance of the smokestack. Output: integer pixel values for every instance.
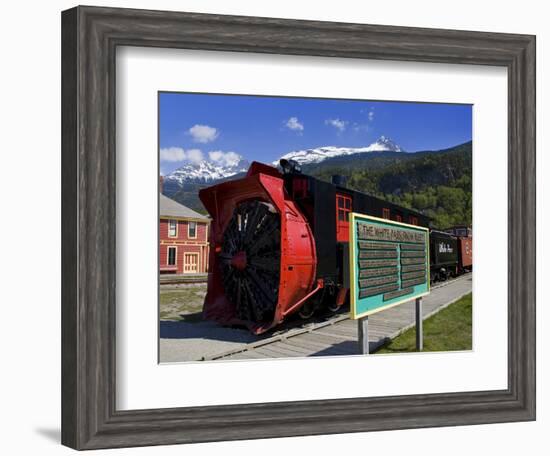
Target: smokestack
(161, 184)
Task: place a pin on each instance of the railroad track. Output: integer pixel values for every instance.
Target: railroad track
(167, 280)
(335, 334)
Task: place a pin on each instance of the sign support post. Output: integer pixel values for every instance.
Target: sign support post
(419, 330)
(389, 264)
(363, 335)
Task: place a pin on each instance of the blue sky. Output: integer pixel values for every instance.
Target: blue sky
(202, 126)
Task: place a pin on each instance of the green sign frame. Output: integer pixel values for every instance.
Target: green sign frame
(389, 264)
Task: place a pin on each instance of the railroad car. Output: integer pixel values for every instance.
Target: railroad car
(464, 239)
(279, 244)
(443, 255)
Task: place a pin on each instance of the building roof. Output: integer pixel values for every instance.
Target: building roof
(170, 208)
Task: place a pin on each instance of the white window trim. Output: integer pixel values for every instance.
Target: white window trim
(168, 255)
(189, 229)
(169, 222)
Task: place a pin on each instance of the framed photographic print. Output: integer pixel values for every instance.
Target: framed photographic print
(238, 280)
(253, 205)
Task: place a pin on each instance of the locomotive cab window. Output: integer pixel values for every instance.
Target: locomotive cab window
(343, 209)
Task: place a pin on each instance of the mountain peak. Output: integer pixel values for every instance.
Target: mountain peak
(388, 143)
(219, 166)
(318, 154)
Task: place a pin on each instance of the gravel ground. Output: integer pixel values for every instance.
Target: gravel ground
(181, 341)
(184, 335)
(182, 302)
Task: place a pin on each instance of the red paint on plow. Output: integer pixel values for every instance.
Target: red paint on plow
(297, 256)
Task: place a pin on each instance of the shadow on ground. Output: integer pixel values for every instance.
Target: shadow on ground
(192, 326)
(204, 330)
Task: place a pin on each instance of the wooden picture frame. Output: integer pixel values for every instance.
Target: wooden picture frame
(90, 37)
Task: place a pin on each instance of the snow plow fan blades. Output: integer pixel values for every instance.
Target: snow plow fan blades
(250, 260)
(262, 256)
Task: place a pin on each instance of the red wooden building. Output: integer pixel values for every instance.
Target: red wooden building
(183, 239)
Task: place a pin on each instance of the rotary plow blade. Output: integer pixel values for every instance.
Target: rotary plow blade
(262, 256)
(250, 260)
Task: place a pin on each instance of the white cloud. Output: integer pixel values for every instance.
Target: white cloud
(339, 124)
(369, 112)
(194, 155)
(172, 154)
(177, 154)
(203, 133)
(294, 124)
(224, 158)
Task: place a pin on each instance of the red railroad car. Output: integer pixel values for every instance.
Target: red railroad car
(465, 253)
(464, 237)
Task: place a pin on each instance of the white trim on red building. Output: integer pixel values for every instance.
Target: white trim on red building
(191, 252)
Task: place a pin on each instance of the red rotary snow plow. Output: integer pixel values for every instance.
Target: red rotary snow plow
(262, 256)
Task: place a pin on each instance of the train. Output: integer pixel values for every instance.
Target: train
(279, 245)
(450, 253)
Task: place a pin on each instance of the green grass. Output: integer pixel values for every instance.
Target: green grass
(448, 330)
(182, 303)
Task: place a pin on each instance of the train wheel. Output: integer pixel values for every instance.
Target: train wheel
(329, 299)
(307, 310)
(332, 305)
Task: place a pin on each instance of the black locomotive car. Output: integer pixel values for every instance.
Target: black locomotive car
(444, 255)
(327, 207)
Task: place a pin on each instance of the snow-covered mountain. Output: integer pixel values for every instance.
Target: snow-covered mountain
(309, 156)
(220, 166)
(203, 172)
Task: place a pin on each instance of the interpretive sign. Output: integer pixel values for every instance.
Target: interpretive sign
(389, 264)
